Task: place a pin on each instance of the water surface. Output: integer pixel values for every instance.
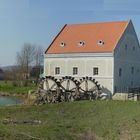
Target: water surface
(9, 100)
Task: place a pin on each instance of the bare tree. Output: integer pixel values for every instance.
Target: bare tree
(24, 59)
(38, 56)
(38, 63)
(30, 55)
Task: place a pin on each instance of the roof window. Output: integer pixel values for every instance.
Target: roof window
(81, 43)
(101, 42)
(62, 44)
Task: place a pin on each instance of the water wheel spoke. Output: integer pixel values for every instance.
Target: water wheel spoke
(62, 87)
(86, 85)
(52, 86)
(73, 89)
(68, 85)
(93, 88)
(82, 89)
(47, 84)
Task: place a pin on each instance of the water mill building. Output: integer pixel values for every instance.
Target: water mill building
(106, 51)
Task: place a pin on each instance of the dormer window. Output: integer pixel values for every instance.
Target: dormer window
(101, 43)
(81, 43)
(62, 44)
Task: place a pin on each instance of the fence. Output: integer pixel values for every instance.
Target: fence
(132, 93)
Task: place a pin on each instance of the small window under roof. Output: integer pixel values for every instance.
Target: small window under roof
(81, 43)
(62, 44)
(101, 43)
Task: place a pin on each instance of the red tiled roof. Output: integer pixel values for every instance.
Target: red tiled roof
(90, 34)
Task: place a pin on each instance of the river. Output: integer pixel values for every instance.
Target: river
(9, 101)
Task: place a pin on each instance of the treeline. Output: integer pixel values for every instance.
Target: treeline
(29, 65)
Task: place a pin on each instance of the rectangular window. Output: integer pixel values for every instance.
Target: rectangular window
(57, 70)
(131, 83)
(95, 71)
(120, 72)
(75, 70)
(132, 70)
(126, 47)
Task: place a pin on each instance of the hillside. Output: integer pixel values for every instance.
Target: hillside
(71, 121)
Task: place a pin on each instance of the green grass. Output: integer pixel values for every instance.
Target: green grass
(10, 88)
(83, 120)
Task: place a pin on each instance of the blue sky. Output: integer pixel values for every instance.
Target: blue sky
(38, 21)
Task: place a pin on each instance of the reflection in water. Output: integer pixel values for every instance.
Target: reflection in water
(9, 101)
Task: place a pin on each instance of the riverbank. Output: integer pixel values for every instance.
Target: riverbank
(7, 88)
(13, 94)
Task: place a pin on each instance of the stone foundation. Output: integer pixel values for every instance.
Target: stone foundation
(124, 97)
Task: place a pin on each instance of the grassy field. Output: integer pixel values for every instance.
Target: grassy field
(10, 88)
(83, 120)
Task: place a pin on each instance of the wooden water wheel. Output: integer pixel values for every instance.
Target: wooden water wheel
(69, 88)
(51, 88)
(89, 88)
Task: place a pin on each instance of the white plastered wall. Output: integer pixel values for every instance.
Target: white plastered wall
(85, 64)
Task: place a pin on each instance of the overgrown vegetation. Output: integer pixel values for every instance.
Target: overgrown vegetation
(14, 88)
(101, 120)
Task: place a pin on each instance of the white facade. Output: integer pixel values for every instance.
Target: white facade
(117, 71)
(85, 64)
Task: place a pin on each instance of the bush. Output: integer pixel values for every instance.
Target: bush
(14, 83)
